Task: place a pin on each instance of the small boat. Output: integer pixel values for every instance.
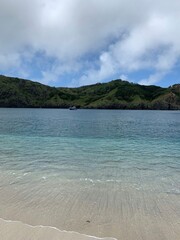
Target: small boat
(73, 108)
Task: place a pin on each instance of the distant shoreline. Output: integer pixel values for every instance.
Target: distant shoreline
(61, 108)
(117, 94)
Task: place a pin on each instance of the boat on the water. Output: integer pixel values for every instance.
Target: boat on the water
(73, 108)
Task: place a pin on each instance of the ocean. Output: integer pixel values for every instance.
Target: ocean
(101, 173)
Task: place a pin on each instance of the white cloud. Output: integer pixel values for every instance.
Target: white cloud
(9, 60)
(124, 77)
(152, 79)
(120, 36)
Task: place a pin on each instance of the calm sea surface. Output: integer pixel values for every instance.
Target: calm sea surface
(47, 155)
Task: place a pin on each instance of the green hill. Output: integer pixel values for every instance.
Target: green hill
(117, 94)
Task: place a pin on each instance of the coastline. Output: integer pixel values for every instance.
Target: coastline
(9, 229)
(123, 213)
(116, 94)
(119, 181)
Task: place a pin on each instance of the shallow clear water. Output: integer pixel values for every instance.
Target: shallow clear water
(45, 153)
(92, 145)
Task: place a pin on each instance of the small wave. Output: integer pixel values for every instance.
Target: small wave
(143, 168)
(99, 181)
(174, 192)
(88, 237)
(176, 168)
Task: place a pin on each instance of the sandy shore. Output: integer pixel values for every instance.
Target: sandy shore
(136, 219)
(11, 230)
(104, 211)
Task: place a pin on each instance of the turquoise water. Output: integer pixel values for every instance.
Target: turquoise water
(61, 151)
(91, 144)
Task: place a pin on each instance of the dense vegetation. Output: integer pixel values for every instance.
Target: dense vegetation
(116, 94)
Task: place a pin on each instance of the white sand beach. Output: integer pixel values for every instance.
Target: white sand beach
(10, 230)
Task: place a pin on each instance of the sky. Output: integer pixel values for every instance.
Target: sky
(80, 42)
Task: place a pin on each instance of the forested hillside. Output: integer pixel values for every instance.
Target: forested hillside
(117, 94)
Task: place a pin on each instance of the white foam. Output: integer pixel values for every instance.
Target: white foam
(57, 229)
(100, 181)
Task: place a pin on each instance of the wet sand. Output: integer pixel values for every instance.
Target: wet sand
(114, 211)
(17, 230)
